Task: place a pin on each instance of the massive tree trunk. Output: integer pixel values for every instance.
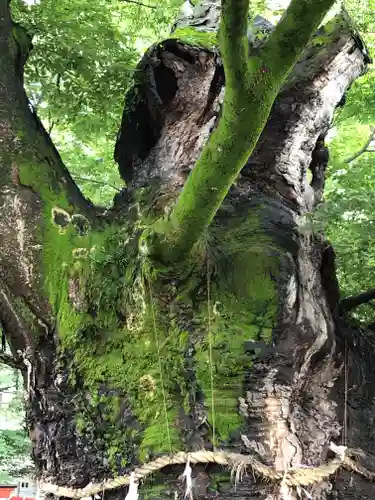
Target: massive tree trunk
(130, 359)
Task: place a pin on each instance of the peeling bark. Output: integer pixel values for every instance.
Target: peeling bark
(291, 397)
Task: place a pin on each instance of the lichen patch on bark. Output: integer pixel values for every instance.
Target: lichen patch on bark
(18, 230)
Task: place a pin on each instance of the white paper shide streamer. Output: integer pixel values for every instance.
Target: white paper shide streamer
(188, 481)
(133, 489)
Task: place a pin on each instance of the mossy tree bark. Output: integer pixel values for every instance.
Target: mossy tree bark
(135, 355)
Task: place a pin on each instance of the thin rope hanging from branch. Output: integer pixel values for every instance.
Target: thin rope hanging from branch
(156, 336)
(210, 347)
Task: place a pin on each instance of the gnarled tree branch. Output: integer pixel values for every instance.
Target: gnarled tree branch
(364, 149)
(94, 181)
(11, 361)
(36, 144)
(354, 301)
(252, 84)
(34, 183)
(141, 4)
(285, 44)
(12, 322)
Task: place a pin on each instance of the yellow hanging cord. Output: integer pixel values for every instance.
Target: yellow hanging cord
(345, 423)
(210, 345)
(160, 367)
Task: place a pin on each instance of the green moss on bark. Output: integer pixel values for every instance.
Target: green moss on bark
(251, 86)
(244, 307)
(199, 38)
(123, 323)
(135, 339)
(96, 285)
(125, 341)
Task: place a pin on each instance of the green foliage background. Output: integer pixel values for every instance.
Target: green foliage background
(14, 443)
(348, 215)
(83, 61)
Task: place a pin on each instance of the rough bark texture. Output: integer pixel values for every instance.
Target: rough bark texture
(290, 398)
(269, 277)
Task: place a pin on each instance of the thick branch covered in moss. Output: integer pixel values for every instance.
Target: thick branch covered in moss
(23, 125)
(234, 44)
(40, 203)
(285, 45)
(252, 84)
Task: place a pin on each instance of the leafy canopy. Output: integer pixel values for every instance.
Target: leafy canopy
(348, 214)
(14, 442)
(82, 63)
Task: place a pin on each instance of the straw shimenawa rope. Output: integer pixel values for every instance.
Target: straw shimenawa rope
(303, 476)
